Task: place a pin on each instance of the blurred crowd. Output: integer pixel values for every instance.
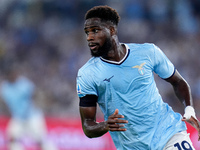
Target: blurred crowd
(46, 42)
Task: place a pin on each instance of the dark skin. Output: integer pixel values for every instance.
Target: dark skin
(98, 33)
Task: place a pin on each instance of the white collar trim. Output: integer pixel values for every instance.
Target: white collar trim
(116, 62)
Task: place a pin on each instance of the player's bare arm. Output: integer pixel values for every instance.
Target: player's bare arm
(93, 129)
(183, 92)
(181, 88)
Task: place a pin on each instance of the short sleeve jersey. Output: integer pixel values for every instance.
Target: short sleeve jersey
(130, 87)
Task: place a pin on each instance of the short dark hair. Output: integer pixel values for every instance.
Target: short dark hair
(105, 13)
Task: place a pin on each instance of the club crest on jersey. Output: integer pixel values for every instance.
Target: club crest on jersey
(78, 89)
(140, 68)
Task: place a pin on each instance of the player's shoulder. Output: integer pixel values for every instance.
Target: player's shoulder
(25, 81)
(141, 46)
(89, 64)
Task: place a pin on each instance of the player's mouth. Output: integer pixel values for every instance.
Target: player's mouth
(93, 46)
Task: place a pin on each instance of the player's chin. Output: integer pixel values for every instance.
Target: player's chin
(95, 53)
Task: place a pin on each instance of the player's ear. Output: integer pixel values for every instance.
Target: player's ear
(113, 30)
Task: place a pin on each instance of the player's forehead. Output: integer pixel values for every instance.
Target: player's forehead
(93, 22)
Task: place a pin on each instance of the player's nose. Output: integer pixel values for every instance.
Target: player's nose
(90, 36)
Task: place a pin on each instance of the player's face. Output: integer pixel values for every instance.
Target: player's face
(98, 37)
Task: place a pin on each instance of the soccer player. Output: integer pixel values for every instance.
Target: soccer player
(26, 120)
(119, 77)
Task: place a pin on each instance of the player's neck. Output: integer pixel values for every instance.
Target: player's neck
(117, 52)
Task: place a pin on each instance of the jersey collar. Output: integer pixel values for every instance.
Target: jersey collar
(121, 61)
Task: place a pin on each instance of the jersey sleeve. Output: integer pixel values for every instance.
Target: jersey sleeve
(162, 65)
(85, 84)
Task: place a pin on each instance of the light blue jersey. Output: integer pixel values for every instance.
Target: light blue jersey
(130, 87)
(18, 97)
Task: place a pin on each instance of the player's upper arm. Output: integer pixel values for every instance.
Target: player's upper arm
(175, 78)
(87, 113)
(85, 84)
(88, 107)
(88, 101)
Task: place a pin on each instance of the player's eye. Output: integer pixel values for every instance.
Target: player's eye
(95, 30)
